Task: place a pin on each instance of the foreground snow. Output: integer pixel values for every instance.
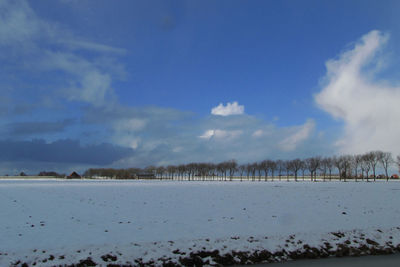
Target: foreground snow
(52, 222)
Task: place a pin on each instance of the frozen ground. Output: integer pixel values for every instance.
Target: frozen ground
(51, 222)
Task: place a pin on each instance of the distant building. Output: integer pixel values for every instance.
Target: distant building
(74, 175)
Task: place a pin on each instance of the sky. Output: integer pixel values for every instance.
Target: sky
(136, 83)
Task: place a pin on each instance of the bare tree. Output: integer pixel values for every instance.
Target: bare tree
(303, 168)
(294, 166)
(324, 167)
(362, 167)
(398, 162)
(171, 169)
(212, 169)
(249, 169)
(160, 171)
(242, 169)
(356, 164)
(265, 165)
(205, 169)
(254, 168)
(232, 167)
(343, 164)
(272, 167)
(286, 165)
(280, 166)
(365, 165)
(338, 163)
(222, 169)
(385, 159)
(151, 170)
(373, 161)
(259, 169)
(330, 166)
(346, 161)
(191, 169)
(348, 167)
(181, 171)
(313, 164)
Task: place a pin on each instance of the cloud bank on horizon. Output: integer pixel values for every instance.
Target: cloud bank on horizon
(367, 106)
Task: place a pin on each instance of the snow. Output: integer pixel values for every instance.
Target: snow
(151, 219)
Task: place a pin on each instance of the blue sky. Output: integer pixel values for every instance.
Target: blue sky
(129, 83)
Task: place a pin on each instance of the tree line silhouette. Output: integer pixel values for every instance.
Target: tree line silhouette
(361, 166)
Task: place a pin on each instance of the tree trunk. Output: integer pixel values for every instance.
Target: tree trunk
(386, 173)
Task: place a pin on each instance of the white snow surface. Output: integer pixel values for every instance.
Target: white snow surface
(149, 219)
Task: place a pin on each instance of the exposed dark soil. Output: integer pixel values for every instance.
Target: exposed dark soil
(216, 258)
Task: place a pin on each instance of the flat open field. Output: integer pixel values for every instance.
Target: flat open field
(50, 222)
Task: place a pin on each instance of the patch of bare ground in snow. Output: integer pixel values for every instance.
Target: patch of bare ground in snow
(294, 247)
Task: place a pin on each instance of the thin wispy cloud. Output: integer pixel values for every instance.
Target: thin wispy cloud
(19, 24)
(298, 136)
(258, 133)
(91, 46)
(224, 135)
(34, 39)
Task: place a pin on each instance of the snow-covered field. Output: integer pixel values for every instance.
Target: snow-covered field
(50, 222)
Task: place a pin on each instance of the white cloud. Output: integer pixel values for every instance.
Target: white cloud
(207, 134)
(258, 133)
(230, 109)
(18, 22)
(93, 88)
(368, 107)
(130, 125)
(134, 143)
(78, 44)
(127, 141)
(301, 133)
(177, 149)
(34, 40)
(89, 84)
(221, 134)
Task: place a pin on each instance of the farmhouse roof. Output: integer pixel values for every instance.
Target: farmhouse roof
(74, 175)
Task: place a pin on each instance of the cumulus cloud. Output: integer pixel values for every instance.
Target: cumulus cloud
(353, 94)
(299, 135)
(230, 109)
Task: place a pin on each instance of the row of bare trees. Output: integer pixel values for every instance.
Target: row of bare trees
(363, 166)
